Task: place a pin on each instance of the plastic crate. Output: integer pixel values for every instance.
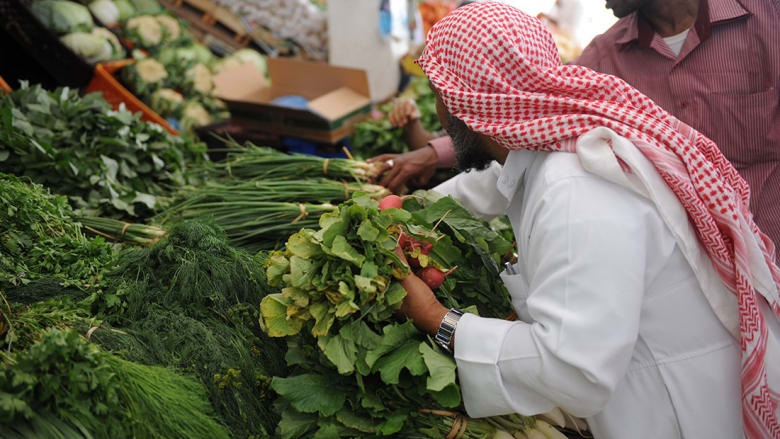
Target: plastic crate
(114, 93)
(4, 86)
(44, 46)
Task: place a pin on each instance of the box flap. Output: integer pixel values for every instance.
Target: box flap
(338, 103)
(315, 78)
(244, 83)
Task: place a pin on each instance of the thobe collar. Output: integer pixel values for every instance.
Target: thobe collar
(513, 172)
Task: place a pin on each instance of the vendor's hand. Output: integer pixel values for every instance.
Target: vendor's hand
(420, 304)
(416, 166)
(404, 111)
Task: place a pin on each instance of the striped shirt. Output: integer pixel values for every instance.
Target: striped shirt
(725, 82)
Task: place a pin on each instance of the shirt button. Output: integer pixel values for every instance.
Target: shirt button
(683, 104)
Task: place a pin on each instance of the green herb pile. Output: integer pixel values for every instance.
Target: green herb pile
(376, 136)
(55, 383)
(260, 213)
(253, 162)
(108, 162)
(358, 368)
(40, 243)
(191, 302)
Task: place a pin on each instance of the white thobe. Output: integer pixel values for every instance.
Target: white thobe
(614, 325)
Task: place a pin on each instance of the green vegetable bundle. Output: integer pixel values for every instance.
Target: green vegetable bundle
(191, 302)
(256, 213)
(376, 136)
(359, 369)
(55, 383)
(108, 162)
(253, 162)
(41, 244)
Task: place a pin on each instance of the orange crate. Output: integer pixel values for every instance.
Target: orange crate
(4, 85)
(103, 81)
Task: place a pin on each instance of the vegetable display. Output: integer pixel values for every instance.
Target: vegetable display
(253, 162)
(41, 244)
(376, 136)
(190, 302)
(73, 23)
(358, 368)
(107, 162)
(255, 214)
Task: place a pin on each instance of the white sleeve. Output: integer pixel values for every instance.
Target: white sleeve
(585, 266)
(476, 190)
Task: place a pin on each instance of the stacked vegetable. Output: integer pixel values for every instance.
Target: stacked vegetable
(259, 196)
(53, 381)
(376, 136)
(73, 23)
(41, 244)
(190, 302)
(360, 369)
(108, 162)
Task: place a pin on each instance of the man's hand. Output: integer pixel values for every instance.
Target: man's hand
(404, 111)
(417, 166)
(420, 304)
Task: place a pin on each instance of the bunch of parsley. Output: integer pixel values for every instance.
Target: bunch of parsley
(109, 162)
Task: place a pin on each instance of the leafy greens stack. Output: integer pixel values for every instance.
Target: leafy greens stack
(109, 162)
(360, 369)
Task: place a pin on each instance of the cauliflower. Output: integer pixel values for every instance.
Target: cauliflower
(167, 102)
(150, 70)
(145, 76)
(198, 78)
(170, 26)
(194, 115)
(144, 30)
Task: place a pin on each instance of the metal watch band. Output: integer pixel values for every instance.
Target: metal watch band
(447, 329)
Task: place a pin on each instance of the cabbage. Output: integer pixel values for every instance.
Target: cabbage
(184, 55)
(63, 17)
(118, 52)
(147, 7)
(105, 11)
(254, 57)
(126, 9)
(92, 48)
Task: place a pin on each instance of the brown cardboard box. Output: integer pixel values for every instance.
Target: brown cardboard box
(338, 98)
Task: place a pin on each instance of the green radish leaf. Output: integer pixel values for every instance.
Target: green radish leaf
(295, 424)
(449, 397)
(310, 393)
(407, 356)
(355, 422)
(342, 249)
(341, 351)
(392, 424)
(441, 368)
(274, 310)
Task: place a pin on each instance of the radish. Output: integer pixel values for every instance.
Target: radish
(391, 201)
(433, 277)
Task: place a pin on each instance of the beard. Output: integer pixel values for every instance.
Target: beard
(469, 152)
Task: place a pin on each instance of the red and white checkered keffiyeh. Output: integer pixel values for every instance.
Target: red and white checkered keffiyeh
(498, 70)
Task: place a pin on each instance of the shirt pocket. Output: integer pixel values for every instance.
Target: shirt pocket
(740, 124)
(517, 285)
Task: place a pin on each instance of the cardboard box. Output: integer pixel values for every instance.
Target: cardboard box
(338, 98)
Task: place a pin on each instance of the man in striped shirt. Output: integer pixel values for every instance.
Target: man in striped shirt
(714, 64)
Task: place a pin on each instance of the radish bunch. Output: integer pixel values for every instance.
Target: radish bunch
(417, 252)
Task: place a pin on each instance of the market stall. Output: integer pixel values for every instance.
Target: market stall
(193, 245)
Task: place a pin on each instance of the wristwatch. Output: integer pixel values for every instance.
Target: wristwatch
(447, 329)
